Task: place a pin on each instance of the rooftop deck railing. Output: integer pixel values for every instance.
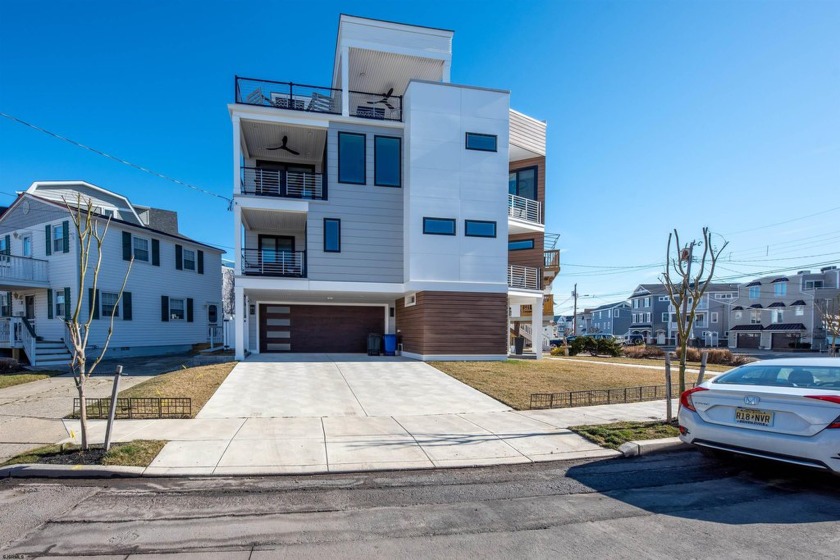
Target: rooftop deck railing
(551, 260)
(284, 184)
(524, 277)
(524, 209)
(317, 99)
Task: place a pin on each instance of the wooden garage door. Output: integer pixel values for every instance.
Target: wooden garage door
(748, 340)
(318, 328)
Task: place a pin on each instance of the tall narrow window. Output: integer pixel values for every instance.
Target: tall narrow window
(58, 239)
(351, 158)
(481, 142)
(332, 235)
(387, 155)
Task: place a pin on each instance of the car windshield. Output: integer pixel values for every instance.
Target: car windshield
(813, 377)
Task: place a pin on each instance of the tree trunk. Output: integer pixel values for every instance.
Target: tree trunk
(80, 385)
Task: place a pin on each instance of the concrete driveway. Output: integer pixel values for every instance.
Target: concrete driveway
(327, 385)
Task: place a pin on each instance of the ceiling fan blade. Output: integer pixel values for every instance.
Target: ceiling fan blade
(388, 105)
(274, 148)
(372, 102)
(291, 151)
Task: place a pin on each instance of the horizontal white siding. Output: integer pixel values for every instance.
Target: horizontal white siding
(527, 133)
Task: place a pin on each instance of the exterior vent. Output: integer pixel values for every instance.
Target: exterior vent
(827, 268)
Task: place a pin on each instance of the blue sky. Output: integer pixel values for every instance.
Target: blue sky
(660, 115)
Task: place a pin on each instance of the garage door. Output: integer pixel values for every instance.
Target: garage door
(318, 328)
(783, 341)
(748, 340)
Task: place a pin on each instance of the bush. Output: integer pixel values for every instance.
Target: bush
(720, 356)
(9, 365)
(583, 344)
(644, 352)
(558, 351)
(610, 347)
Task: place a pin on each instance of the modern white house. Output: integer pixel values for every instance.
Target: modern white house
(390, 201)
(172, 298)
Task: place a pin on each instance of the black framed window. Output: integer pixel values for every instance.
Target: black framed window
(439, 226)
(523, 182)
(479, 228)
(520, 245)
(351, 158)
(481, 142)
(332, 235)
(387, 156)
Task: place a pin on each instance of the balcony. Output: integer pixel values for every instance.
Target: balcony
(524, 277)
(551, 259)
(282, 184)
(23, 271)
(318, 99)
(525, 209)
(288, 264)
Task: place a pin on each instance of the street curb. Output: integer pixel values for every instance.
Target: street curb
(649, 446)
(32, 470)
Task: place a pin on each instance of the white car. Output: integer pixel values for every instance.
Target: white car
(785, 410)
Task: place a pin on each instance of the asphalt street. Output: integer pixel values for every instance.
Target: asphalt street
(675, 505)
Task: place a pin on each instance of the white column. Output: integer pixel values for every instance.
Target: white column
(240, 315)
(345, 81)
(537, 326)
(445, 75)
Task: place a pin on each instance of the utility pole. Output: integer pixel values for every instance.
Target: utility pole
(574, 317)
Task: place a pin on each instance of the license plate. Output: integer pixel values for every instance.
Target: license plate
(753, 416)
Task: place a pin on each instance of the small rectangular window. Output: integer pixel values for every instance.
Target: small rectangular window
(521, 245)
(438, 226)
(176, 309)
(189, 259)
(479, 228)
(481, 142)
(665, 317)
(59, 303)
(387, 156)
(351, 158)
(141, 249)
(332, 235)
(109, 304)
(714, 317)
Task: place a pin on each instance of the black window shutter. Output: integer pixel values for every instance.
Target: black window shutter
(126, 246)
(65, 231)
(189, 310)
(155, 252)
(93, 303)
(179, 257)
(50, 310)
(201, 262)
(126, 306)
(66, 298)
(48, 229)
(164, 308)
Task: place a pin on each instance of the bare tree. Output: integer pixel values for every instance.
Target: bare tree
(228, 299)
(90, 231)
(829, 310)
(686, 290)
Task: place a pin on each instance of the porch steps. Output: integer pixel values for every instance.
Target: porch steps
(52, 353)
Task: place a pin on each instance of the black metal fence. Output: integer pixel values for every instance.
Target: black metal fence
(603, 396)
(137, 408)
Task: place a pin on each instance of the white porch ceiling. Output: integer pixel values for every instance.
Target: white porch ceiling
(319, 297)
(377, 71)
(273, 221)
(258, 136)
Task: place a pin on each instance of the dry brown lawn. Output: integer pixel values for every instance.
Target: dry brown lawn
(650, 362)
(513, 381)
(197, 383)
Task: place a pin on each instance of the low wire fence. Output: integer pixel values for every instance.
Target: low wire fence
(603, 396)
(136, 408)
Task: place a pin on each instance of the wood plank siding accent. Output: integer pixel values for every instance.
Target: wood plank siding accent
(527, 132)
(528, 257)
(453, 323)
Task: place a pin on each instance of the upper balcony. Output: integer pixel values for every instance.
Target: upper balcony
(283, 184)
(22, 272)
(524, 277)
(384, 106)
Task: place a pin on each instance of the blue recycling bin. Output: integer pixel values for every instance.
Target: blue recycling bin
(390, 344)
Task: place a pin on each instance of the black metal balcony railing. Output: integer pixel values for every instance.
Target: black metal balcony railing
(284, 184)
(263, 262)
(317, 99)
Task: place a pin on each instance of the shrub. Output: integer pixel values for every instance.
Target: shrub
(644, 352)
(558, 351)
(583, 344)
(610, 347)
(720, 356)
(9, 365)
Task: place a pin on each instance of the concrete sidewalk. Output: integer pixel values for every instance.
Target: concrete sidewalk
(257, 446)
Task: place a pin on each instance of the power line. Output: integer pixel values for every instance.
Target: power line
(117, 159)
(785, 221)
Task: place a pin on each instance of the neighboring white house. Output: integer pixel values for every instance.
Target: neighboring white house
(386, 202)
(173, 294)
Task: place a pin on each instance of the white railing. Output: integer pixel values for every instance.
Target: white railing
(215, 335)
(274, 263)
(27, 339)
(23, 269)
(286, 184)
(523, 277)
(523, 208)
